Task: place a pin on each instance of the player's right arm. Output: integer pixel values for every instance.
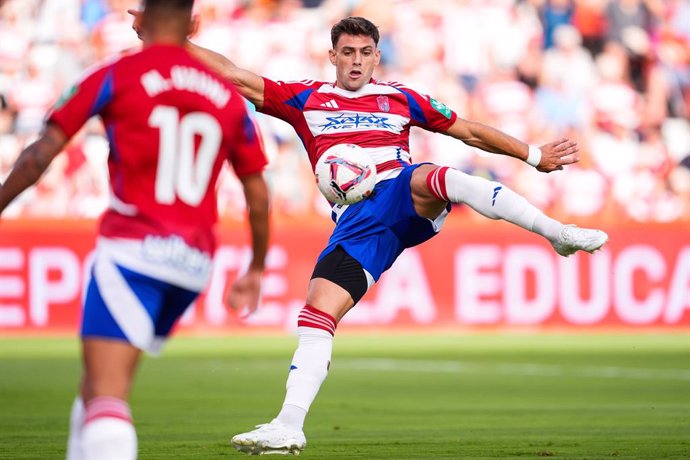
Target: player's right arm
(248, 160)
(246, 290)
(249, 84)
(32, 163)
(68, 115)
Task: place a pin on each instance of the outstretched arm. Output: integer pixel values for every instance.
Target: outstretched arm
(554, 155)
(249, 84)
(32, 163)
(246, 290)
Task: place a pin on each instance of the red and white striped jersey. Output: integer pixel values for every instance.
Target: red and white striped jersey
(377, 117)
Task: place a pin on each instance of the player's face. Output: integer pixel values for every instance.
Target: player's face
(354, 58)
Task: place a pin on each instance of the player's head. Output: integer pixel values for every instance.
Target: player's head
(167, 20)
(355, 52)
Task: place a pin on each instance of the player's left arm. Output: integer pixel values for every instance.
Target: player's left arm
(549, 157)
(246, 290)
(32, 163)
(69, 114)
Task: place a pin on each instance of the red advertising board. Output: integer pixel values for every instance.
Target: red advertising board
(482, 275)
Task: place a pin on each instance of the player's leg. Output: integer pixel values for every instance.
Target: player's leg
(108, 431)
(366, 241)
(338, 282)
(109, 361)
(433, 186)
(124, 312)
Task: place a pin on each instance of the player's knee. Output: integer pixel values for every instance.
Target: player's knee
(430, 184)
(428, 190)
(343, 270)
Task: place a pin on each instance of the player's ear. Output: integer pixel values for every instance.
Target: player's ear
(331, 56)
(137, 22)
(193, 26)
(377, 56)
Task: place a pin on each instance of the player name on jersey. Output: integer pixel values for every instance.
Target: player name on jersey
(187, 79)
(174, 252)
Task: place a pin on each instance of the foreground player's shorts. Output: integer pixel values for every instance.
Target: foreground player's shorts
(125, 304)
(376, 230)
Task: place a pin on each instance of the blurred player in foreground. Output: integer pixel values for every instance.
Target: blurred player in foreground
(172, 123)
(408, 206)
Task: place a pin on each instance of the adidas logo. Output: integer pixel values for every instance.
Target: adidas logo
(331, 104)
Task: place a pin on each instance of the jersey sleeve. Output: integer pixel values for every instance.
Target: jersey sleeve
(83, 100)
(285, 100)
(248, 155)
(428, 113)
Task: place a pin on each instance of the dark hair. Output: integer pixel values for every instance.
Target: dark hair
(354, 25)
(170, 4)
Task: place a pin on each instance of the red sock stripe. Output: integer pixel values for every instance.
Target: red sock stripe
(442, 182)
(436, 183)
(311, 317)
(107, 406)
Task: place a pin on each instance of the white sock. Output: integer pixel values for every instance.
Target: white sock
(310, 365)
(76, 420)
(108, 432)
(491, 199)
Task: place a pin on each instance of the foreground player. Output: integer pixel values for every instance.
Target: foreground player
(409, 205)
(171, 123)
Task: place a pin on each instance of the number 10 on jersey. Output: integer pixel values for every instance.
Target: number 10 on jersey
(180, 173)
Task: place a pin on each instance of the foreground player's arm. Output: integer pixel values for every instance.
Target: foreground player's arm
(32, 163)
(554, 155)
(246, 289)
(249, 84)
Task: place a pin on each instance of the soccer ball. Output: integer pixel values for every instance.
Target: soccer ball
(345, 174)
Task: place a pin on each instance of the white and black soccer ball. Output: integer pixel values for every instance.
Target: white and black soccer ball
(345, 174)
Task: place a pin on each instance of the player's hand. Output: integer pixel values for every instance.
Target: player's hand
(245, 292)
(555, 155)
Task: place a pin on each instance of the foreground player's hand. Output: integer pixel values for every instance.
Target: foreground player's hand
(245, 292)
(555, 155)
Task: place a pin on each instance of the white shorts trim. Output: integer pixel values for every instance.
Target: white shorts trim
(130, 254)
(127, 310)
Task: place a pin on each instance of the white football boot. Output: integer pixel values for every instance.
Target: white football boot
(573, 239)
(270, 438)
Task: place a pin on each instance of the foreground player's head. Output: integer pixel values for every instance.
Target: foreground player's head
(355, 52)
(167, 20)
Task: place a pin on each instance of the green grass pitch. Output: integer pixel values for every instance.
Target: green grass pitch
(387, 396)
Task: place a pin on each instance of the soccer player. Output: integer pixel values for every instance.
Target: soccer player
(172, 123)
(408, 206)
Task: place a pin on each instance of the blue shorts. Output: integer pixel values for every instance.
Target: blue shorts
(126, 305)
(376, 230)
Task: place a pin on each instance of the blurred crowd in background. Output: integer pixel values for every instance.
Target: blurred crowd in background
(612, 74)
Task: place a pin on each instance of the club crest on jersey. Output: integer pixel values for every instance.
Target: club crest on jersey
(384, 103)
(441, 107)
